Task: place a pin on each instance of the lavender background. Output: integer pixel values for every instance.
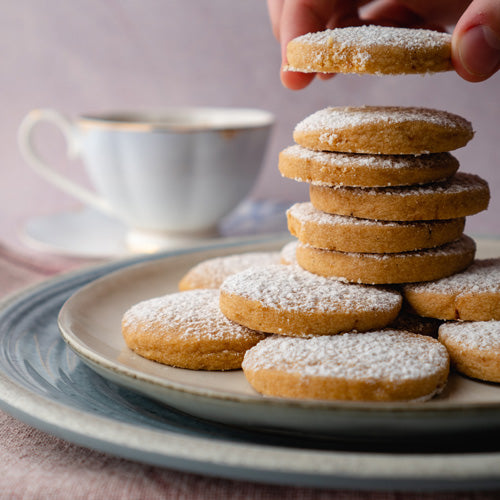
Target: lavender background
(93, 55)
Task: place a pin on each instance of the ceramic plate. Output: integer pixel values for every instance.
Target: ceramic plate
(90, 324)
(45, 384)
(89, 233)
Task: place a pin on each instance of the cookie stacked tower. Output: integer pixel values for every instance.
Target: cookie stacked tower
(387, 206)
(386, 202)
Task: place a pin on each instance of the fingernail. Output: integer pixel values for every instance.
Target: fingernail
(479, 50)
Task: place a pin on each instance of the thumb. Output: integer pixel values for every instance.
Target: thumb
(476, 41)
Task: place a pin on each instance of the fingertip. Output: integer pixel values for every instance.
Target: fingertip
(476, 53)
(295, 80)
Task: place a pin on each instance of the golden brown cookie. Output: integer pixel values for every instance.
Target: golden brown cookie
(474, 348)
(464, 194)
(379, 50)
(390, 130)
(350, 234)
(386, 365)
(472, 295)
(288, 300)
(212, 272)
(187, 330)
(350, 169)
(390, 268)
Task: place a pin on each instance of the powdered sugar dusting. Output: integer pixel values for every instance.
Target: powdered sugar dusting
(307, 213)
(388, 355)
(337, 118)
(193, 314)
(370, 36)
(462, 246)
(294, 289)
(213, 272)
(378, 162)
(482, 335)
(288, 253)
(483, 276)
(461, 182)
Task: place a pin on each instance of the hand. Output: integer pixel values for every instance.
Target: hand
(475, 41)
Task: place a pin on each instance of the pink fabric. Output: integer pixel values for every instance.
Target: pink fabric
(36, 465)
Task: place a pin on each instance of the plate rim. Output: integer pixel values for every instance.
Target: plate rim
(355, 407)
(441, 471)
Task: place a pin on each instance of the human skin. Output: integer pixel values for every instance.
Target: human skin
(475, 38)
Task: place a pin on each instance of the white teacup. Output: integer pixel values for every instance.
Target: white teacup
(177, 171)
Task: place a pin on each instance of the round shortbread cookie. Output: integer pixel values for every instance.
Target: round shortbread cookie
(212, 272)
(287, 254)
(385, 365)
(350, 169)
(474, 348)
(290, 301)
(380, 50)
(390, 130)
(464, 194)
(187, 330)
(472, 295)
(389, 268)
(349, 234)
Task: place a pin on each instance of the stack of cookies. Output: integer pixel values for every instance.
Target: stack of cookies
(387, 206)
(386, 202)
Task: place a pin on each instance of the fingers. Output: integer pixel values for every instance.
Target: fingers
(476, 41)
(304, 16)
(275, 8)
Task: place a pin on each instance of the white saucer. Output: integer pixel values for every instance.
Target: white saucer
(88, 233)
(80, 233)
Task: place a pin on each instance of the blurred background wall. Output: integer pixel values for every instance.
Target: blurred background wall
(93, 55)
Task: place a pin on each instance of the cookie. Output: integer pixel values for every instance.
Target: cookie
(464, 194)
(379, 50)
(389, 268)
(386, 365)
(212, 272)
(390, 130)
(187, 330)
(472, 295)
(474, 348)
(287, 254)
(350, 234)
(288, 300)
(351, 169)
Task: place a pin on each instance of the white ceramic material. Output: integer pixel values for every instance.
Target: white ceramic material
(90, 322)
(44, 384)
(179, 170)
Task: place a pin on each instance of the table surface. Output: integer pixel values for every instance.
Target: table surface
(35, 464)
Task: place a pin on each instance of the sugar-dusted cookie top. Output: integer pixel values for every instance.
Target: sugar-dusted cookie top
(474, 347)
(389, 268)
(211, 273)
(287, 253)
(473, 294)
(289, 300)
(459, 196)
(187, 330)
(385, 365)
(377, 50)
(383, 130)
(350, 169)
(350, 234)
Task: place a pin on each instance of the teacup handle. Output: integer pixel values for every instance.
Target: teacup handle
(34, 160)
